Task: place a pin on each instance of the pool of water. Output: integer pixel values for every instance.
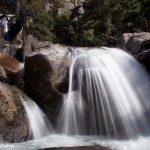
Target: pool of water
(140, 143)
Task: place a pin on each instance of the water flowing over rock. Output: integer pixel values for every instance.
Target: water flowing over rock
(14, 125)
(46, 75)
(21, 118)
(112, 95)
(137, 44)
(40, 126)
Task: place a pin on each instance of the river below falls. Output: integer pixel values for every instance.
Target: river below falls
(141, 143)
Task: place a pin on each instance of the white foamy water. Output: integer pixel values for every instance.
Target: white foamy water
(39, 125)
(51, 141)
(108, 95)
(108, 98)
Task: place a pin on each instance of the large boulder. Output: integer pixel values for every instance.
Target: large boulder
(139, 42)
(46, 76)
(14, 125)
(136, 42)
(31, 44)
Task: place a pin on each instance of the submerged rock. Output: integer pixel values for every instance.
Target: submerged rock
(46, 75)
(94, 147)
(14, 125)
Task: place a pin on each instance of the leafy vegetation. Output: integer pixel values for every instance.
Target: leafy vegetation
(102, 20)
(42, 27)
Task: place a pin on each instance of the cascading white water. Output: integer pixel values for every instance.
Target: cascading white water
(108, 95)
(4, 22)
(40, 127)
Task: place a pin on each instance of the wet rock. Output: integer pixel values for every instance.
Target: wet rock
(95, 147)
(14, 125)
(10, 41)
(10, 48)
(14, 27)
(46, 76)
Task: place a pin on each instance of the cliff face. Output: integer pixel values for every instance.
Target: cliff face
(67, 5)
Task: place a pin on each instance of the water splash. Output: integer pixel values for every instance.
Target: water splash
(108, 95)
(52, 141)
(39, 124)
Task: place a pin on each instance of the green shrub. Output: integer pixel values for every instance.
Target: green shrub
(42, 27)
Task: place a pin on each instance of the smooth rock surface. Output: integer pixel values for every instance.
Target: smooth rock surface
(124, 39)
(14, 125)
(138, 42)
(46, 76)
(10, 64)
(30, 45)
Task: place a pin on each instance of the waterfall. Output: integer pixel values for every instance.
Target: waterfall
(108, 95)
(5, 24)
(39, 124)
(108, 98)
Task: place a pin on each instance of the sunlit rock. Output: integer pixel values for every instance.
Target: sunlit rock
(136, 42)
(31, 44)
(14, 125)
(10, 64)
